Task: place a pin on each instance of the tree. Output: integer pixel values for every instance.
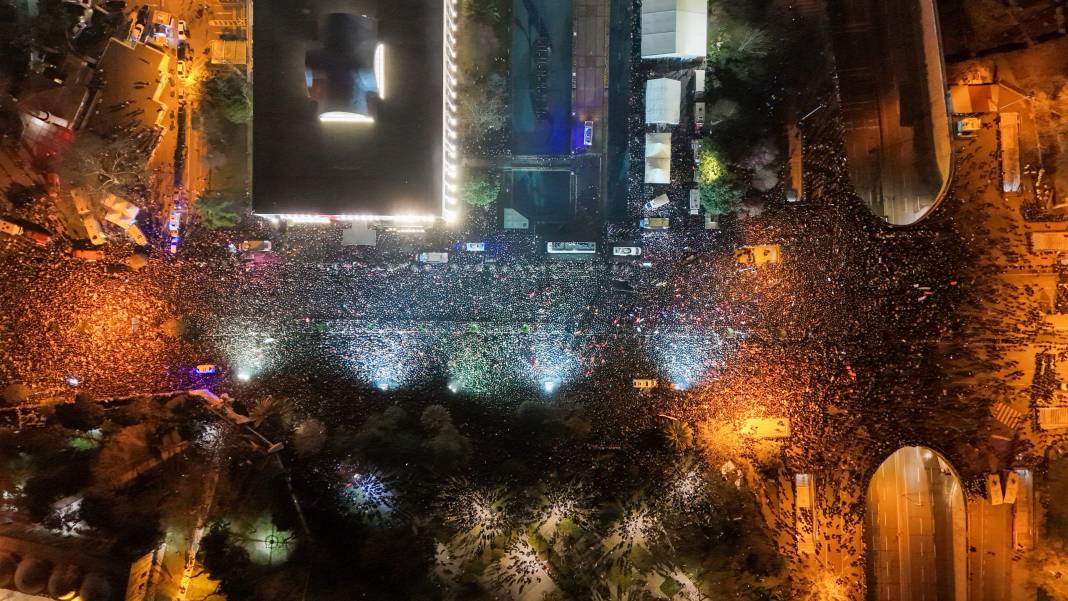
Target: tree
(218, 211)
(736, 47)
(481, 107)
(227, 95)
(722, 196)
(710, 165)
(102, 165)
(679, 435)
(309, 437)
(480, 189)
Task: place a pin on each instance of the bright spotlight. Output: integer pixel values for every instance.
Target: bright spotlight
(548, 385)
(453, 387)
(383, 385)
(244, 376)
(73, 381)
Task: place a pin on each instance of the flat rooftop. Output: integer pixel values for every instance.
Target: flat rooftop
(390, 167)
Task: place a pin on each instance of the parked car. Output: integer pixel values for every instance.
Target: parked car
(180, 69)
(10, 228)
(206, 369)
(86, 254)
(255, 245)
(182, 32)
(475, 247)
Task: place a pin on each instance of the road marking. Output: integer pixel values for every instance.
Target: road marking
(228, 22)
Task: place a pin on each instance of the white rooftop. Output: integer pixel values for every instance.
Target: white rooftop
(658, 158)
(674, 28)
(663, 101)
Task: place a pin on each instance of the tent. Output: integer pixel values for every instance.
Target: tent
(658, 158)
(663, 101)
(674, 28)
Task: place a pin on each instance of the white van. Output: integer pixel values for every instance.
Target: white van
(657, 202)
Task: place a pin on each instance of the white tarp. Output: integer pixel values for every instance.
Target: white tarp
(663, 101)
(658, 158)
(674, 28)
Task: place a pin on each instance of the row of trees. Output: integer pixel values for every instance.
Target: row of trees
(406, 502)
(744, 85)
(224, 110)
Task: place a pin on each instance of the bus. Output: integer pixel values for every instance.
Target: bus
(572, 248)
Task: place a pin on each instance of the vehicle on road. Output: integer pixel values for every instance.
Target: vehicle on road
(475, 247)
(12, 229)
(755, 256)
(93, 231)
(993, 489)
(87, 254)
(180, 68)
(1012, 487)
(695, 201)
(645, 383)
(571, 248)
(183, 33)
(136, 235)
(626, 251)
(206, 369)
(255, 245)
(432, 257)
(657, 202)
(587, 133)
(967, 127)
(655, 223)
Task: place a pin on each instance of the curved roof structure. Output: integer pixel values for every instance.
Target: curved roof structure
(893, 94)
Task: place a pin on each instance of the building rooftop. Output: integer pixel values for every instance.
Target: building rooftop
(132, 78)
(384, 162)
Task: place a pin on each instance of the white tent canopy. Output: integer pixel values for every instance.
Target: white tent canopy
(658, 158)
(663, 99)
(674, 28)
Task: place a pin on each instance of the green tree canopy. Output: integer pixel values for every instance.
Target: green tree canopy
(723, 195)
(218, 211)
(228, 95)
(480, 189)
(710, 165)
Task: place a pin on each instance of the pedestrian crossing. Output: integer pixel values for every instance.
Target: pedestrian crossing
(1006, 415)
(228, 23)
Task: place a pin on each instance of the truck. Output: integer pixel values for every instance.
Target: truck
(655, 223)
(758, 255)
